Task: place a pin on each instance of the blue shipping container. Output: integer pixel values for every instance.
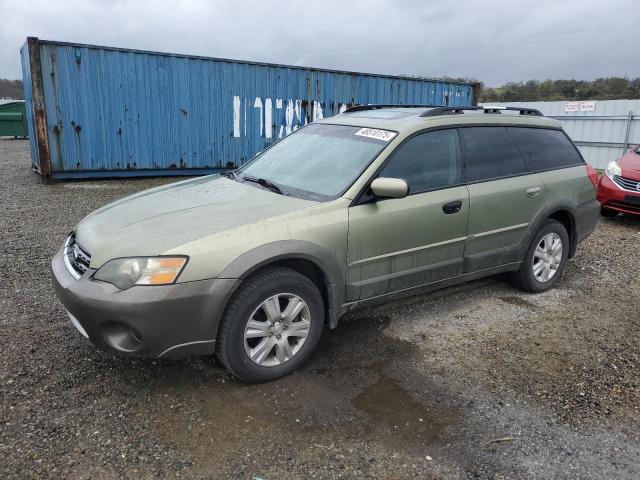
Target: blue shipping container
(103, 112)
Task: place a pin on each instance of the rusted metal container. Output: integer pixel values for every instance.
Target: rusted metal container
(107, 112)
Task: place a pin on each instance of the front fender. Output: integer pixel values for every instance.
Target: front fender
(274, 252)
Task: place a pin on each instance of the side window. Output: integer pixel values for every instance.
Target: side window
(427, 161)
(490, 152)
(545, 149)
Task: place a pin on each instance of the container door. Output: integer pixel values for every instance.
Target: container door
(28, 98)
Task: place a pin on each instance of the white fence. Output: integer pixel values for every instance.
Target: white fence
(602, 130)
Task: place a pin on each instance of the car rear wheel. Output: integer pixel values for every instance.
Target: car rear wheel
(271, 325)
(545, 259)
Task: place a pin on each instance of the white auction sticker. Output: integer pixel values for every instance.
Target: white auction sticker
(384, 135)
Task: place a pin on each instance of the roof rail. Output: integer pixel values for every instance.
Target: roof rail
(361, 108)
(486, 109)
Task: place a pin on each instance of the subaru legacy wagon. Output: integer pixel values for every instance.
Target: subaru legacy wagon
(373, 204)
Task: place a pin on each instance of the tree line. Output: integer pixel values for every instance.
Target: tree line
(611, 88)
(11, 89)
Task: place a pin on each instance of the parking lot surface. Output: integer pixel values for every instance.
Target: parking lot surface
(476, 381)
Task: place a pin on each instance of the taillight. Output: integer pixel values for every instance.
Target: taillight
(593, 175)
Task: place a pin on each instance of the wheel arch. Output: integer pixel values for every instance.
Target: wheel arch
(565, 213)
(308, 259)
(568, 220)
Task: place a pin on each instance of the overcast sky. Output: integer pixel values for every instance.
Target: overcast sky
(492, 40)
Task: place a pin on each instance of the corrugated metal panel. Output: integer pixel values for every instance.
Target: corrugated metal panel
(599, 134)
(133, 112)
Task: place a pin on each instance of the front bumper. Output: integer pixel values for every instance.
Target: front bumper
(149, 321)
(615, 198)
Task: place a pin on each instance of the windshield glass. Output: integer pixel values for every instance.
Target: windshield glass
(318, 161)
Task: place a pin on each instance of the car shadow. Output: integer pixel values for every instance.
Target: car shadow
(632, 221)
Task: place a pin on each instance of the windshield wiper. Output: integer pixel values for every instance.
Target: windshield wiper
(263, 182)
(229, 174)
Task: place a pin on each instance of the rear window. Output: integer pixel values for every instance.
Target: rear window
(545, 149)
(490, 152)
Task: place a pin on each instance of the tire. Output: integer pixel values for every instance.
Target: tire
(528, 280)
(264, 299)
(605, 212)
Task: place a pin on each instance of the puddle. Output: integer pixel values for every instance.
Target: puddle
(395, 413)
(352, 390)
(517, 301)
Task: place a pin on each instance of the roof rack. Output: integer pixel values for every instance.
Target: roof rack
(361, 108)
(486, 109)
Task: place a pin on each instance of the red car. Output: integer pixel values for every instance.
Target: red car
(619, 187)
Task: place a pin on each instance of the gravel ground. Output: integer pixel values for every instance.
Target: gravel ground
(476, 381)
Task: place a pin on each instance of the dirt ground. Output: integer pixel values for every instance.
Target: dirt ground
(476, 381)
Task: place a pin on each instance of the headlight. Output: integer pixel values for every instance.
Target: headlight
(127, 272)
(613, 169)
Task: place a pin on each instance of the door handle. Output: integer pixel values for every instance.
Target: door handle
(533, 191)
(452, 207)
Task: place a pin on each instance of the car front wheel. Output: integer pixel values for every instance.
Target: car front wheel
(271, 325)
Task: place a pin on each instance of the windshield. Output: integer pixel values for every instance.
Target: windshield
(319, 161)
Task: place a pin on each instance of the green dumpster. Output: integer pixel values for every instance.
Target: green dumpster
(13, 120)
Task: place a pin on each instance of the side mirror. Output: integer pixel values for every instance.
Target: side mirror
(383, 187)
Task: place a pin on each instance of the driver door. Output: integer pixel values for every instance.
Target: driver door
(399, 244)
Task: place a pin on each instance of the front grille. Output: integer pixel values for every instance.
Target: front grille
(627, 183)
(76, 259)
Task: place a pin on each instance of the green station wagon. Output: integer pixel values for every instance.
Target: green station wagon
(373, 204)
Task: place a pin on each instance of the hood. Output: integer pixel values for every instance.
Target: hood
(163, 218)
(630, 165)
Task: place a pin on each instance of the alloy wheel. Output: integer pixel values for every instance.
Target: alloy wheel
(277, 329)
(547, 257)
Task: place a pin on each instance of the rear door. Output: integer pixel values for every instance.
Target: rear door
(397, 244)
(504, 197)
